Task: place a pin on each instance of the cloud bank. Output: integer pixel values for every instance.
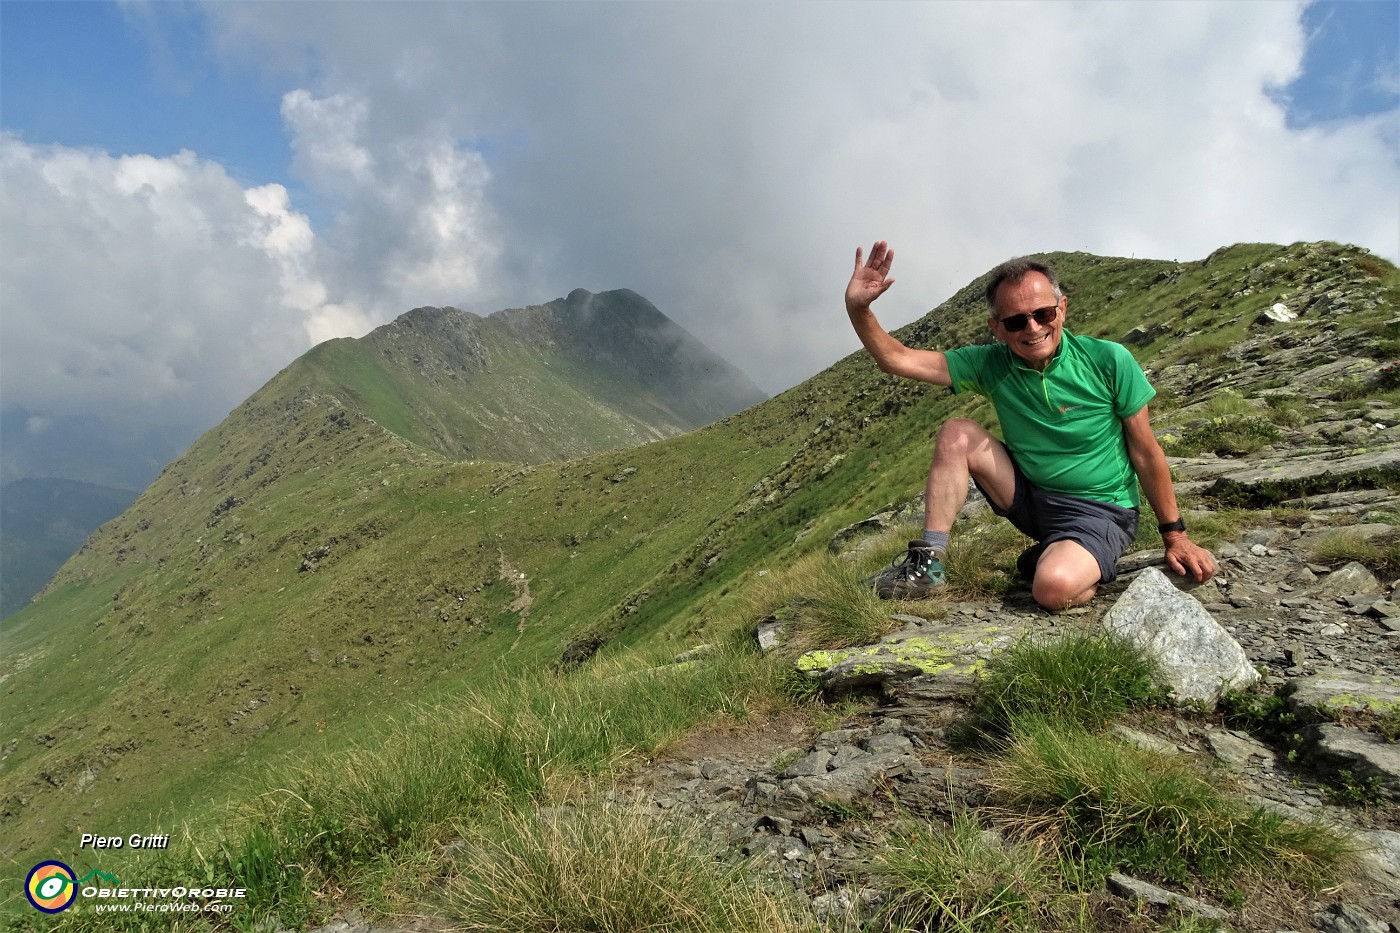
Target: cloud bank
(723, 160)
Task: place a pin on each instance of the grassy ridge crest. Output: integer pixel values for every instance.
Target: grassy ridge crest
(305, 573)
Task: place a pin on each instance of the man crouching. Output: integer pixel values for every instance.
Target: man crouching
(1074, 414)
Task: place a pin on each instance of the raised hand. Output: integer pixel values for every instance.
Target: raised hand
(871, 280)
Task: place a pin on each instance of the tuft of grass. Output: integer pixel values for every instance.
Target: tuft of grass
(982, 559)
(1289, 410)
(1113, 804)
(1388, 724)
(1380, 555)
(825, 603)
(1227, 437)
(957, 878)
(607, 869)
(1083, 679)
(1207, 528)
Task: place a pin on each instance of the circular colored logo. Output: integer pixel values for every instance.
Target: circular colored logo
(51, 887)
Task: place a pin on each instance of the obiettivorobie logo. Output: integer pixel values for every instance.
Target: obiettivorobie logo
(52, 886)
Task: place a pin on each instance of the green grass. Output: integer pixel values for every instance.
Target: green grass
(823, 603)
(1081, 679)
(344, 822)
(957, 878)
(1115, 805)
(1380, 555)
(605, 868)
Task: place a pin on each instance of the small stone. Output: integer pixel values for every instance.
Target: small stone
(809, 766)
(889, 745)
(845, 754)
(1144, 740)
(1236, 750)
(1360, 600)
(1348, 918)
(1349, 579)
(1141, 890)
(1332, 630)
(1383, 609)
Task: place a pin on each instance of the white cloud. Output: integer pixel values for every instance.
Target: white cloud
(144, 289)
(725, 159)
(411, 227)
(722, 159)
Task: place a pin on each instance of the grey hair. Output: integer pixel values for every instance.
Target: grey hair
(1013, 270)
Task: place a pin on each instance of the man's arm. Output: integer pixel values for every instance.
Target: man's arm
(1183, 555)
(869, 282)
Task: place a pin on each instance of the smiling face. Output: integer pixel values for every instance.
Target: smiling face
(1037, 343)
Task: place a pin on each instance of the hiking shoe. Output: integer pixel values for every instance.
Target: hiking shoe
(917, 576)
(1025, 564)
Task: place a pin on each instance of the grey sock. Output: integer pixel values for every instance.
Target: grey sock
(938, 540)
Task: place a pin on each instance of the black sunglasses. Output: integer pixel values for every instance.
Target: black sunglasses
(1043, 316)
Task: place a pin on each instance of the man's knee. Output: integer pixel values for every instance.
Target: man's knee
(961, 434)
(1062, 593)
(1066, 576)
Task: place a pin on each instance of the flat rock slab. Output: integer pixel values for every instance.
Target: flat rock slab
(1129, 886)
(1330, 694)
(1302, 474)
(953, 650)
(1380, 855)
(1198, 658)
(1236, 749)
(1365, 755)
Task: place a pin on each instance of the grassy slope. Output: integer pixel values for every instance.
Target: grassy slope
(184, 650)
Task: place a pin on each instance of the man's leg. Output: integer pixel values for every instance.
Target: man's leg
(965, 449)
(1067, 575)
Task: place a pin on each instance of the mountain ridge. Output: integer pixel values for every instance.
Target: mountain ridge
(563, 379)
(307, 565)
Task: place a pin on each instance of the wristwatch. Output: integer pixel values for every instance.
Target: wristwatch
(1178, 525)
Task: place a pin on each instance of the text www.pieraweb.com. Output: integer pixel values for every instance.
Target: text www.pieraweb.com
(164, 900)
(139, 907)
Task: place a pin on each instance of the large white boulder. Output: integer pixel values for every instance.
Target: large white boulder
(1199, 659)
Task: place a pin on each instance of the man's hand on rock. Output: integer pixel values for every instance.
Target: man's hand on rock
(1186, 557)
(871, 280)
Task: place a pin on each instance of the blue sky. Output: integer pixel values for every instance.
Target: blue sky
(191, 194)
(83, 73)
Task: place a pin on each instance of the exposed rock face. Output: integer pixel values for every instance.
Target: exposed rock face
(1198, 658)
(921, 649)
(1370, 762)
(1332, 694)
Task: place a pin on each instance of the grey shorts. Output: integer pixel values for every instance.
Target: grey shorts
(1102, 528)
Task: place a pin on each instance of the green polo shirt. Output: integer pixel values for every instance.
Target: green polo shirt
(1063, 426)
